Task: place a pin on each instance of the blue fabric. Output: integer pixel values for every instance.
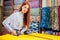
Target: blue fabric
(33, 27)
(45, 19)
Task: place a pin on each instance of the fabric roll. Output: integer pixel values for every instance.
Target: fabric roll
(52, 18)
(6, 8)
(7, 13)
(56, 19)
(34, 11)
(45, 21)
(59, 16)
(56, 3)
(43, 3)
(33, 27)
(34, 18)
(48, 3)
(34, 4)
(16, 2)
(8, 3)
(53, 2)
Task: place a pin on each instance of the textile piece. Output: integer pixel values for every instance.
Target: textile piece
(16, 2)
(59, 16)
(45, 21)
(35, 18)
(34, 11)
(34, 4)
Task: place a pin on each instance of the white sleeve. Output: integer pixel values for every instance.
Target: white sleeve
(7, 22)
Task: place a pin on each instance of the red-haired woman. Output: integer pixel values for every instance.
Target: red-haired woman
(18, 21)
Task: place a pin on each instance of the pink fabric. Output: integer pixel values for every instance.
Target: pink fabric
(58, 33)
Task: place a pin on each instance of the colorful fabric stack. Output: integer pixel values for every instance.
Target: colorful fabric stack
(34, 15)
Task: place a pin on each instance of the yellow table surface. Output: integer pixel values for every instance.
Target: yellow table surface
(32, 36)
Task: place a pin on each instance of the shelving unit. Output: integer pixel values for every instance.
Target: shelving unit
(8, 8)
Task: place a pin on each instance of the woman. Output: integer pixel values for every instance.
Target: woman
(18, 22)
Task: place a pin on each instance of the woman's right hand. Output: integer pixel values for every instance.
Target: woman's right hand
(13, 32)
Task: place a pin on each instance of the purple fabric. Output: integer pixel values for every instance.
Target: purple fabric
(34, 4)
(8, 3)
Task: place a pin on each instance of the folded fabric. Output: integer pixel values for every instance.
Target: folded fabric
(6, 8)
(34, 18)
(34, 11)
(56, 3)
(44, 3)
(33, 27)
(34, 4)
(16, 2)
(7, 13)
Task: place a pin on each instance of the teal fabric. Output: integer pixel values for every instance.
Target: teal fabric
(45, 20)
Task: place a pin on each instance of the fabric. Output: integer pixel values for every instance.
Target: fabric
(56, 3)
(14, 21)
(59, 16)
(45, 21)
(16, 7)
(7, 13)
(7, 3)
(56, 19)
(35, 18)
(33, 27)
(16, 2)
(32, 36)
(43, 3)
(34, 4)
(34, 11)
(53, 2)
(48, 3)
(6, 8)
(52, 18)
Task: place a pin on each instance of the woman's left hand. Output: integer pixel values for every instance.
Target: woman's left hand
(22, 32)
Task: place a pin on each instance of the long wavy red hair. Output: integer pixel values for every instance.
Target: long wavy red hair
(26, 19)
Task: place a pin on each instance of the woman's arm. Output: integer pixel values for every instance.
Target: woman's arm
(24, 29)
(6, 24)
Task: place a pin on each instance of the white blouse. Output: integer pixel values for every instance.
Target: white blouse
(14, 21)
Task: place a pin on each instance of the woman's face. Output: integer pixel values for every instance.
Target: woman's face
(25, 8)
